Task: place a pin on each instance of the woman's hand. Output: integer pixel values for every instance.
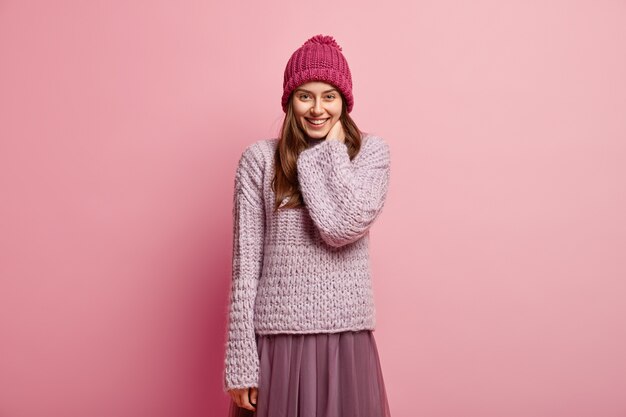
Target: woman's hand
(336, 132)
(244, 397)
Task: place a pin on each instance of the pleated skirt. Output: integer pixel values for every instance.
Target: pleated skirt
(318, 375)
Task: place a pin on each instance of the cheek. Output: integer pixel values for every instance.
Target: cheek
(298, 110)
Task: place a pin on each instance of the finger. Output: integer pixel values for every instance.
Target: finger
(233, 394)
(245, 402)
(340, 131)
(334, 131)
(237, 397)
(254, 392)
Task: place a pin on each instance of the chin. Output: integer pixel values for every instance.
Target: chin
(316, 135)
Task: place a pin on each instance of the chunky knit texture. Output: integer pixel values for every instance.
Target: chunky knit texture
(305, 269)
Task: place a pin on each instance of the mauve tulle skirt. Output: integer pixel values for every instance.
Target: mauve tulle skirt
(318, 375)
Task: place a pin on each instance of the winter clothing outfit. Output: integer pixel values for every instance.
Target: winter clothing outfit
(301, 312)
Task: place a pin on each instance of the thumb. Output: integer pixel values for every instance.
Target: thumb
(253, 395)
(333, 133)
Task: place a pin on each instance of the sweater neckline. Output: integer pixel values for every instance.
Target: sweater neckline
(313, 141)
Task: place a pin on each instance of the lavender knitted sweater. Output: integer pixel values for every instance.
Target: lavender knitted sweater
(306, 269)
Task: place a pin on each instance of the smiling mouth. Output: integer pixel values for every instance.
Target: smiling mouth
(317, 122)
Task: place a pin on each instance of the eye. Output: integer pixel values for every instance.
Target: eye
(332, 96)
(303, 95)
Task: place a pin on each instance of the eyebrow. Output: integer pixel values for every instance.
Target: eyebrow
(324, 92)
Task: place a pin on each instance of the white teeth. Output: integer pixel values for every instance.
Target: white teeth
(317, 122)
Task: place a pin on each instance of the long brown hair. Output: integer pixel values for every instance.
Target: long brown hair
(291, 142)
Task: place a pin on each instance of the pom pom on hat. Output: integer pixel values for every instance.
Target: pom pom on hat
(318, 59)
(323, 40)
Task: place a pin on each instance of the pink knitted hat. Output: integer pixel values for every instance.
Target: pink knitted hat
(318, 59)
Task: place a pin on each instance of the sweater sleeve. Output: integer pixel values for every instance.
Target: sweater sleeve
(241, 361)
(344, 197)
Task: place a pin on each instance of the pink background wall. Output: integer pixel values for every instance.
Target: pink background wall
(499, 261)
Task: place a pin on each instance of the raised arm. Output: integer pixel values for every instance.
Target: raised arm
(241, 362)
(344, 197)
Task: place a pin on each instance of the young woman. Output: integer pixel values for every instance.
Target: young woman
(300, 337)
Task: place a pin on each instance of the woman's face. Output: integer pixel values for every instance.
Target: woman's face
(317, 101)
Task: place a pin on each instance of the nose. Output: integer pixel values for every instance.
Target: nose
(317, 107)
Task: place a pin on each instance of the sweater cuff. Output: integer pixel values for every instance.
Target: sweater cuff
(242, 364)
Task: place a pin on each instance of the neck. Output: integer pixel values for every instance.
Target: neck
(314, 141)
(310, 139)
